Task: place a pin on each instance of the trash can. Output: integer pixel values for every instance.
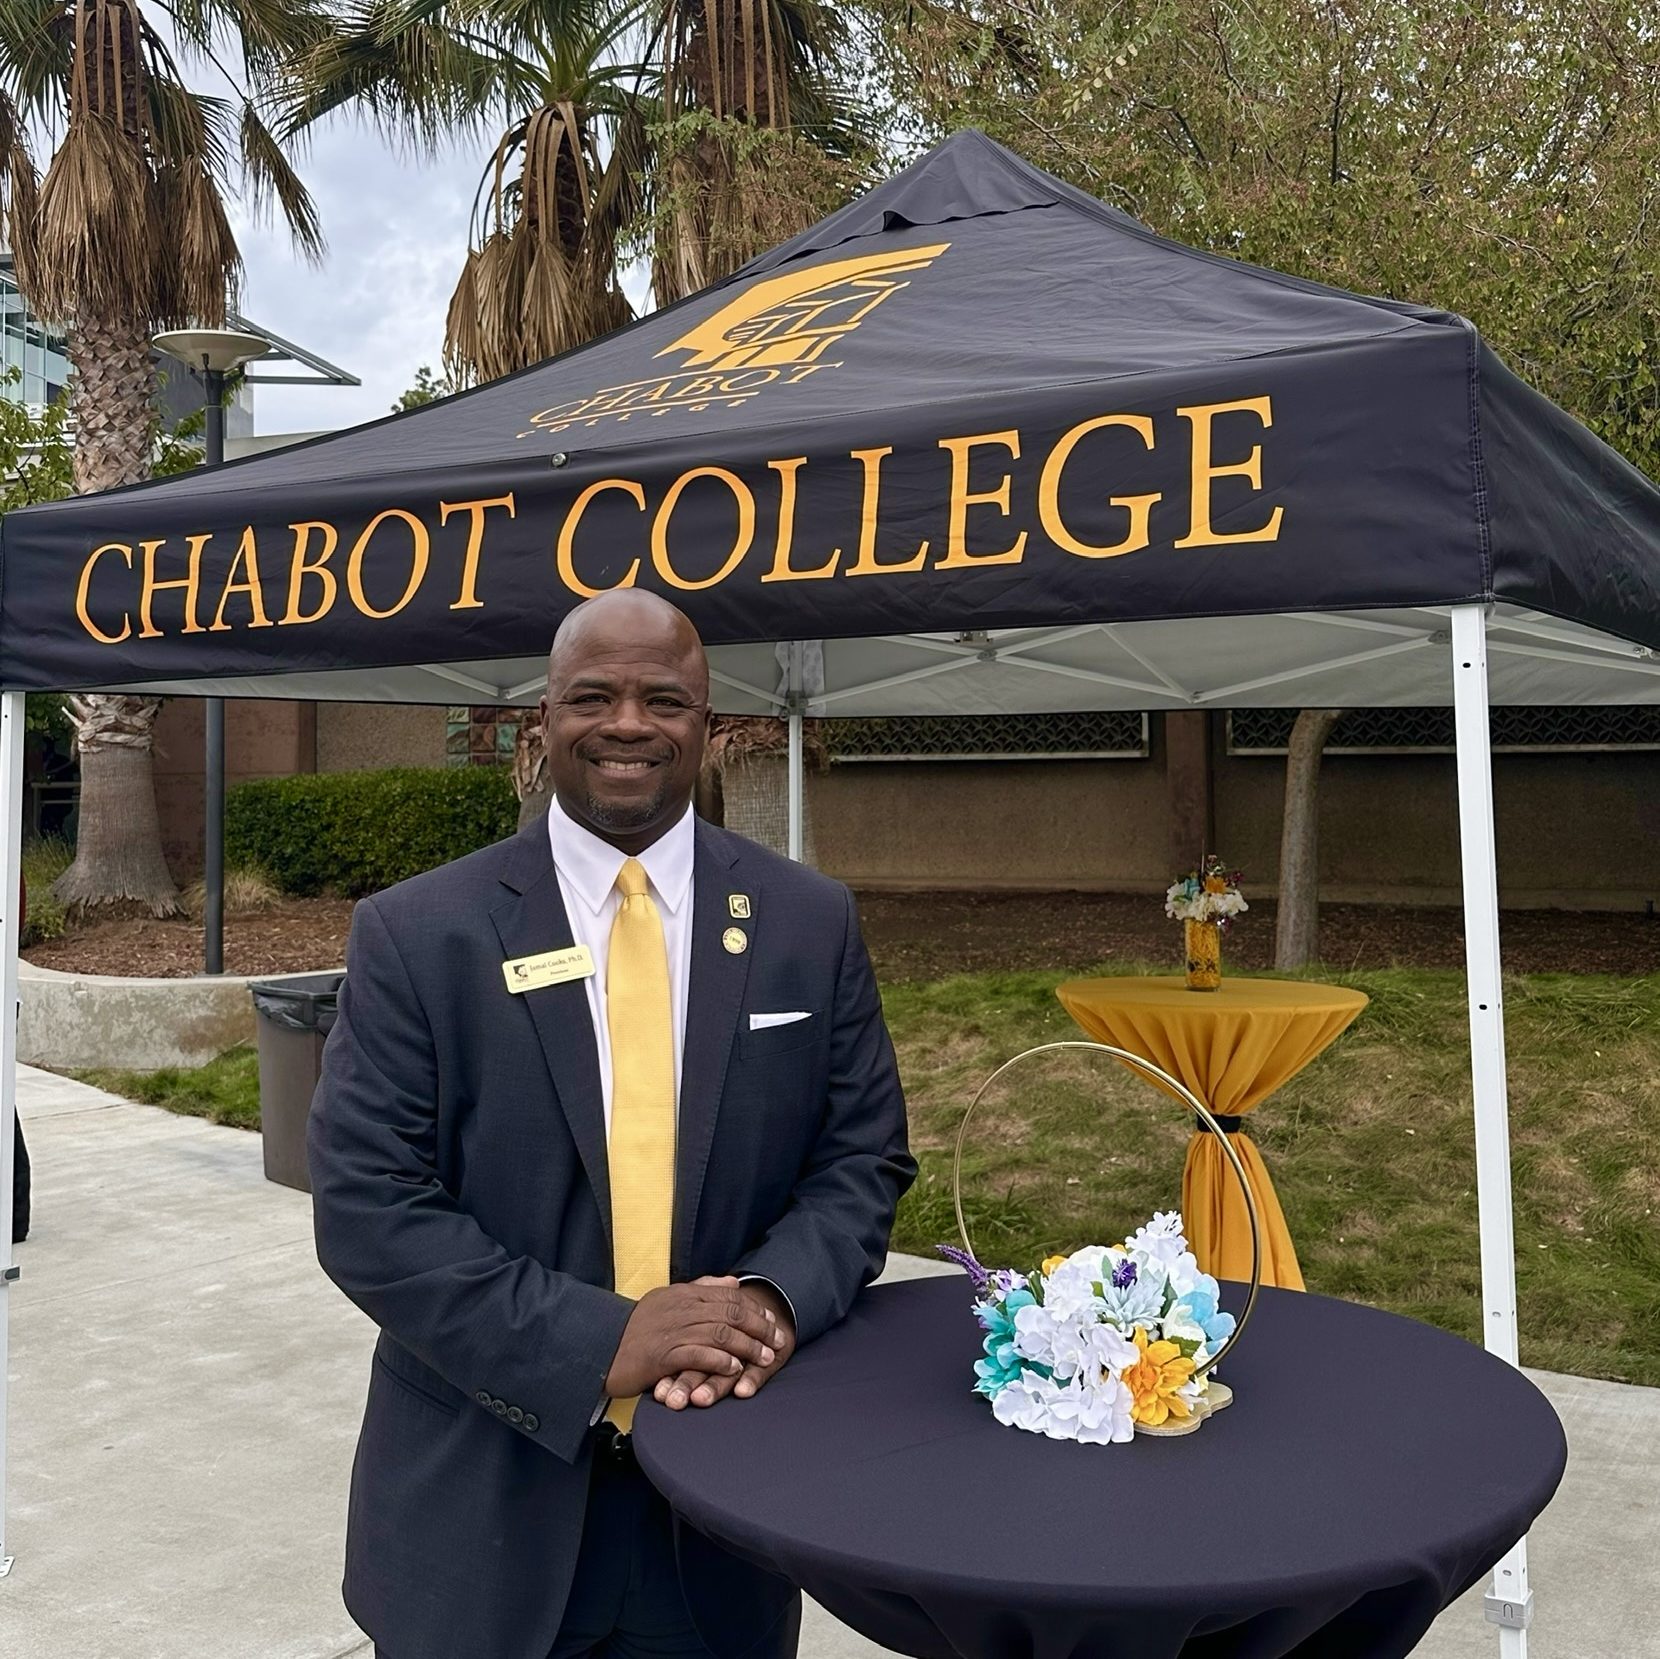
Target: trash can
(294, 1017)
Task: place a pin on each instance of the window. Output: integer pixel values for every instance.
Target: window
(1430, 731)
(1096, 736)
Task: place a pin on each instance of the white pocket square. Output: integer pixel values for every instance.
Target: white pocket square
(763, 1022)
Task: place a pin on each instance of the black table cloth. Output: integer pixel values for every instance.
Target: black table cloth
(1370, 1469)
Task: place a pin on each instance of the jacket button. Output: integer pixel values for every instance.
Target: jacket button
(532, 1423)
(483, 1396)
(514, 1415)
(499, 1407)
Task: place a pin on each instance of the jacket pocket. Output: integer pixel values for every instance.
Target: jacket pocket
(419, 1391)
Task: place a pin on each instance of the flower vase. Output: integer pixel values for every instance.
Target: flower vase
(1204, 956)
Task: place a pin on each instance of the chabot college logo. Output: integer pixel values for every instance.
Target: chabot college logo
(775, 332)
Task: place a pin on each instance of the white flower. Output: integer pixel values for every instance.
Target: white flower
(1069, 1292)
(1024, 1404)
(1160, 1240)
(1186, 1276)
(1094, 1412)
(1038, 1333)
(1111, 1351)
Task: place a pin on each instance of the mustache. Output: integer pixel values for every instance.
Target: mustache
(626, 754)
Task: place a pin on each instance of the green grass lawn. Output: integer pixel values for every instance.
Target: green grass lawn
(225, 1090)
(1372, 1150)
(1372, 1147)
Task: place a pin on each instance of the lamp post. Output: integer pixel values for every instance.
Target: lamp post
(216, 352)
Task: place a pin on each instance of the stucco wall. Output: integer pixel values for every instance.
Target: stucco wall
(1081, 824)
(354, 737)
(1578, 830)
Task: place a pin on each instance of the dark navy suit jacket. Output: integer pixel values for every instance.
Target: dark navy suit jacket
(458, 1163)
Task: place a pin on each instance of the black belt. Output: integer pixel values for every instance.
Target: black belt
(612, 1445)
(1229, 1125)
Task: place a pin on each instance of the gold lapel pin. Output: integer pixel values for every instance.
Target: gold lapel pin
(735, 940)
(738, 904)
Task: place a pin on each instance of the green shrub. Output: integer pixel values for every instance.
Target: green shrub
(43, 862)
(357, 832)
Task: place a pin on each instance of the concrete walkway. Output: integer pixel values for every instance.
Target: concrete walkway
(186, 1388)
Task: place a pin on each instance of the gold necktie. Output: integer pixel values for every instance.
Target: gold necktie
(641, 1024)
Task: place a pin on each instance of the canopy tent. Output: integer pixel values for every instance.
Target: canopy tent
(982, 443)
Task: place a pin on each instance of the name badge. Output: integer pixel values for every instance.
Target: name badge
(552, 967)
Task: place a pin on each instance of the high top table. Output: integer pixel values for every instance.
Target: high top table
(1232, 1047)
(1370, 1469)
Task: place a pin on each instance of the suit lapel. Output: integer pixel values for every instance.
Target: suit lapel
(714, 999)
(528, 922)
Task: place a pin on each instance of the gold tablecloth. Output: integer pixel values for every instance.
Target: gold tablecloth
(1232, 1047)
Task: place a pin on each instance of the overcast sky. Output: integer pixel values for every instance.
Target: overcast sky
(397, 233)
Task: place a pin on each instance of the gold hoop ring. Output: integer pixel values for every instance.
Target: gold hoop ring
(1154, 1074)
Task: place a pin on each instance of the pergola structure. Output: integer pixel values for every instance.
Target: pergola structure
(975, 444)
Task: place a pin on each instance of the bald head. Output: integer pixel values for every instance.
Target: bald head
(627, 616)
(626, 715)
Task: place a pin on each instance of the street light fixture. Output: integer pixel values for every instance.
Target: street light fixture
(215, 353)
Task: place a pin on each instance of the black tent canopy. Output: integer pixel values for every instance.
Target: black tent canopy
(977, 443)
(975, 402)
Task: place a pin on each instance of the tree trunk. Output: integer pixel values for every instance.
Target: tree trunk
(1297, 926)
(530, 770)
(755, 800)
(118, 854)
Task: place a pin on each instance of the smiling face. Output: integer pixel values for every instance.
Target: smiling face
(626, 716)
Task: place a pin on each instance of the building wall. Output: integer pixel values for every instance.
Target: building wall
(1088, 824)
(263, 739)
(1579, 830)
(355, 737)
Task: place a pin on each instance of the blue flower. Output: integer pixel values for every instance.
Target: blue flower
(1198, 1308)
(1002, 1364)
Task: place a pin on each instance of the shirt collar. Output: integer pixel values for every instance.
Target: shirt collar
(590, 865)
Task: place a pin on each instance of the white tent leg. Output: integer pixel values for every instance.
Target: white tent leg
(11, 838)
(797, 782)
(1509, 1604)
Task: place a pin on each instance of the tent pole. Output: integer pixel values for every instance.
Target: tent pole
(11, 853)
(797, 782)
(1509, 1603)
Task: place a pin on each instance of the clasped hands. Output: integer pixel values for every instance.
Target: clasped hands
(694, 1344)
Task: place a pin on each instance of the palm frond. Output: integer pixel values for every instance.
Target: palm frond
(94, 246)
(402, 68)
(272, 180)
(187, 128)
(19, 192)
(267, 32)
(36, 38)
(541, 275)
(203, 262)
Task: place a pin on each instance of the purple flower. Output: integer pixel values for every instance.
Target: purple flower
(1123, 1276)
(976, 1273)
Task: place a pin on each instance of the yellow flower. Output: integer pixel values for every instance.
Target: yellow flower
(1052, 1262)
(1154, 1379)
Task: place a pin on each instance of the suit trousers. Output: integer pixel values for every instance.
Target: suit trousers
(626, 1599)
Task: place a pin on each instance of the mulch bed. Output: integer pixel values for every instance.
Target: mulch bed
(932, 935)
(288, 938)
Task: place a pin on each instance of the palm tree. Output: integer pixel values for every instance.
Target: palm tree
(760, 140)
(128, 233)
(563, 181)
(562, 187)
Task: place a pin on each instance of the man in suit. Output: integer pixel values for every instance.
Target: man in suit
(609, 1109)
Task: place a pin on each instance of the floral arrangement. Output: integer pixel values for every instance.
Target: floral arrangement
(1095, 1345)
(1209, 894)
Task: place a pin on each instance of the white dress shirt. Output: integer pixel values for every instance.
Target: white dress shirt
(587, 869)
